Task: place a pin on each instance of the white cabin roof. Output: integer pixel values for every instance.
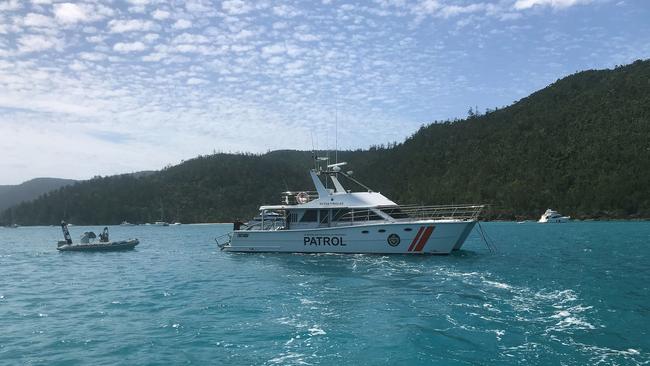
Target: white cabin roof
(336, 198)
(340, 200)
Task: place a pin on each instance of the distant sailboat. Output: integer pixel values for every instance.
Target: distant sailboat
(161, 222)
(13, 223)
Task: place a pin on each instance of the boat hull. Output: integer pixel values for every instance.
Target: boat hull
(100, 247)
(421, 237)
(557, 220)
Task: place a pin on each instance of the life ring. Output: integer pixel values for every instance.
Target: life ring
(302, 197)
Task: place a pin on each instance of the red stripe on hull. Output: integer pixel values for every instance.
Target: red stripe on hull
(415, 240)
(424, 239)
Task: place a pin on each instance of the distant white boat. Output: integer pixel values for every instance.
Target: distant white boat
(126, 223)
(177, 223)
(161, 223)
(551, 216)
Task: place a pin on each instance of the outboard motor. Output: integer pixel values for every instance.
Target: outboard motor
(85, 238)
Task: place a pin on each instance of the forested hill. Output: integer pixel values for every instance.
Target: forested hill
(580, 146)
(29, 190)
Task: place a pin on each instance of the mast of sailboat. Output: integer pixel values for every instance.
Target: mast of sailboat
(161, 211)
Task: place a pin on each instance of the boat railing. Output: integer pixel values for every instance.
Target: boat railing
(443, 212)
(357, 216)
(268, 225)
(412, 212)
(298, 197)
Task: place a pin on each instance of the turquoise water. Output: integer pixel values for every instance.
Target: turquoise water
(572, 294)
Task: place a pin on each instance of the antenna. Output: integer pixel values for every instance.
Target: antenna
(336, 129)
(347, 175)
(313, 151)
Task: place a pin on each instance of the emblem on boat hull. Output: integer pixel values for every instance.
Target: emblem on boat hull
(393, 240)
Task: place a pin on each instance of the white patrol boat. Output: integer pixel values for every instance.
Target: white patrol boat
(334, 220)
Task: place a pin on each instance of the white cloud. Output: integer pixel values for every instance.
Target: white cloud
(199, 6)
(150, 37)
(38, 20)
(280, 25)
(274, 49)
(160, 14)
(9, 5)
(77, 66)
(454, 10)
(129, 47)
(130, 25)
(276, 60)
(186, 48)
(137, 9)
(190, 38)
(236, 7)
(33, 43)
(95, 39)
(68, 13)
(557, 4)
(154, 57)
(241, 48)
(243, 34)
(306, 37)
(182, 24)
(285, 11)
(92, 56)
(196, 81)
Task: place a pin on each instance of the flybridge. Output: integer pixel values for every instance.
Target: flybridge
(331, 197)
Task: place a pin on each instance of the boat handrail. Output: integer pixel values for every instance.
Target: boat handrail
(414, 212)
(443, 212)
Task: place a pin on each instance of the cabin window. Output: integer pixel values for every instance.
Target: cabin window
(364, 232)
(408, 229)
(324, 216)
(382, 230)
(369, 215)
(341, 215)
(309, 216)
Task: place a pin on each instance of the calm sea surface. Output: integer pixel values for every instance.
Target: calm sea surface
(572, 294)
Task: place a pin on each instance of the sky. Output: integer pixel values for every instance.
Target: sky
(102, 87)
